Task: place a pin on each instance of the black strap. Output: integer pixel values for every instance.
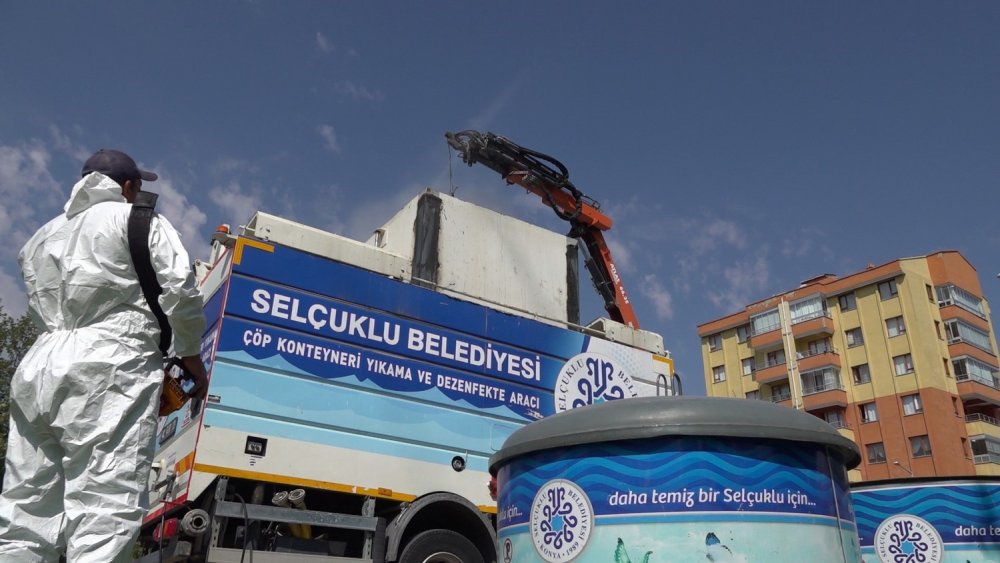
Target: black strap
(138, 245)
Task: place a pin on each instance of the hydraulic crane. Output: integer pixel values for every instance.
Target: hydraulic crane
(547, 178)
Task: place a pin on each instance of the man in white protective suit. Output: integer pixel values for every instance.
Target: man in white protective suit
(84, 401)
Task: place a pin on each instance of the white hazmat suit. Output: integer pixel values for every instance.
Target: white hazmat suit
(84, 399)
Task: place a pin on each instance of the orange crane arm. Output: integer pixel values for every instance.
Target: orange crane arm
(547, 178)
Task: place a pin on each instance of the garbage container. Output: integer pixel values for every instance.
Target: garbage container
(933, 520)
(676, 479)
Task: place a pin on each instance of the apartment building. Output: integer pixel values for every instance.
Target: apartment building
(901, 358)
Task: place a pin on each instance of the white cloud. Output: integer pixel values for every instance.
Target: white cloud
(663, 301)
(12, 295)
(324, 44)
(237, 204)
(621, 254)
(329, 137)
(187, 218)
(709, 236)
(31, 196)
(358, 92)
(745, 280)
(65, 145)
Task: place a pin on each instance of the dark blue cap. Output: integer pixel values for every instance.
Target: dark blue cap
(116, 165)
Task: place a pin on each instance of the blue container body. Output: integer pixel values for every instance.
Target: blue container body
(678, 499)
(940, 521)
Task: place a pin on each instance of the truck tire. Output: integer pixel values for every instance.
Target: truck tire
(440, 546)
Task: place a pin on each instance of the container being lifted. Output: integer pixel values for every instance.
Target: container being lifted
(358, 389)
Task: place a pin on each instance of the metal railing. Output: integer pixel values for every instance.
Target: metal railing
(811, 316)
(811, 353)
(839, 424)
(777, 398)
(828, 386)
(977, 417)
(986, 458)
(978, 379)
(766, 364)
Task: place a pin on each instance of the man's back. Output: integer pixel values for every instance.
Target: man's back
(84, 399)
(79, 273)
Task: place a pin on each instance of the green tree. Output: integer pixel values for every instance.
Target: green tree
(16, 336)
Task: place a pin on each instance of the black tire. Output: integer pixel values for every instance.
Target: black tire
(440, 546)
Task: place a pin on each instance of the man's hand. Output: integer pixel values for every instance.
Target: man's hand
(195, 366)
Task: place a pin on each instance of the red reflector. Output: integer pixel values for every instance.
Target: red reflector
(493, 488)
(166, 530)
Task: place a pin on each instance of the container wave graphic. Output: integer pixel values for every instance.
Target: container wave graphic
(601, 473)
(946, 508)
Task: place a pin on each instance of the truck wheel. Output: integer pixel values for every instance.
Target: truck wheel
(440, 546)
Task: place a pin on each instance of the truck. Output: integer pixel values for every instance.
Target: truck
(358, 388)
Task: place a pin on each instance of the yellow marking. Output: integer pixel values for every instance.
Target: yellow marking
(241, 242)
(384, 493)
(271, 478)
(184, 464)
(312, 483)
(664, 359)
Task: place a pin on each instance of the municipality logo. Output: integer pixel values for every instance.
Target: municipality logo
(904, 538)
(590, 379)
(562, 519)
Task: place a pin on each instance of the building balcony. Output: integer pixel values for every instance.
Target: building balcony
(783, 399)
(981, 424)
(770, 373)
(977, 390)
(823, 396)
(809, 361)
(957, 312)
(766, 340)
(819, 323)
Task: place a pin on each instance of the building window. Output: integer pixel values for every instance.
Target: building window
(960, 331)
(861, 374)
(911, 404)
(765, 322)
(820, 380)
(847, 302)
(967, 368)
(868, 412)
(781, 393)
(954, 295)
(835, 418)
(895, 326)
(947, 370)
(930, 292)
(775, 358)
(817, 347)
(742, 333)
(807, 309)
(753, 395)
(854, 337)
(876, 453)
(920, 445)
(903, 363)
(719, 374)
(714, 342)
(887, 289)
(985, 449)
(937, 329)
(748, 366)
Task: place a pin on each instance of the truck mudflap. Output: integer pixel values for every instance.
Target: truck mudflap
(441, 511)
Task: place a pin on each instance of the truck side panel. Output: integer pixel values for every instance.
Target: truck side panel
(329, 375)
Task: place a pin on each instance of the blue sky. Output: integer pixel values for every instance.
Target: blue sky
(740, 147)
